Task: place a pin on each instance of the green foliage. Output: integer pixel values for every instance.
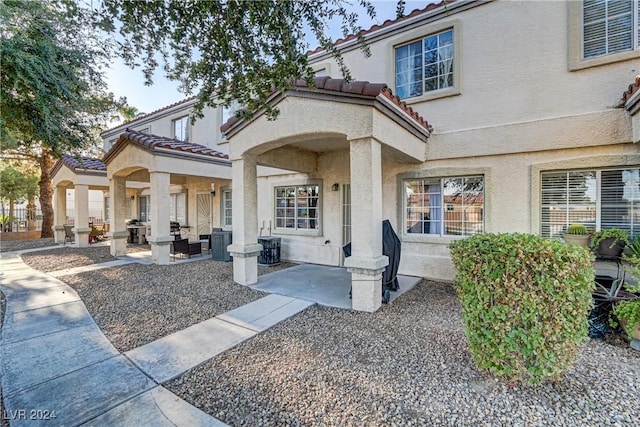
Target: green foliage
(525, 302)
(239, 50)
(578, 229)
(52, 90)
(16, 186)
(633, 247)
(628, 313)
(615, 233)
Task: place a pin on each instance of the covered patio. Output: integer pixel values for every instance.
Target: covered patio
(81, 175)
(364, 118)
(160, 164)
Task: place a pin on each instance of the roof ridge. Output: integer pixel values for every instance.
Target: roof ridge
(146, 115)
(153, 142)
(428, 8)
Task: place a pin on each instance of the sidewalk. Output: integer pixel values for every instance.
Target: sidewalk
(57, 362)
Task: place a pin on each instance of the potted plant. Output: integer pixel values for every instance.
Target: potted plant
(627, 314)
(609, 242)
(577, 234)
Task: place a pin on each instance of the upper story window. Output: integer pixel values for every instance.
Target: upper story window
(610, 26)
(227, 113)
(445, 206)
(599, 199)
(425, 65)
(181, 128)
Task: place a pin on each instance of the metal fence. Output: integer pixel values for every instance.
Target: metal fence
(20, 221)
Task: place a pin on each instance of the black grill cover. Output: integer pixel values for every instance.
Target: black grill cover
(390, 248)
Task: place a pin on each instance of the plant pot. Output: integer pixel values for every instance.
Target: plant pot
(577, 239)
(605, 249)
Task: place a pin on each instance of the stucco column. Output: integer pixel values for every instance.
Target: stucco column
(81, 214)
(118, 215)
(160, 238)
(59, 213)
(245, 248)
(366, 262)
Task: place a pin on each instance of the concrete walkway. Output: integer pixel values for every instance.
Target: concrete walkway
(56, 361)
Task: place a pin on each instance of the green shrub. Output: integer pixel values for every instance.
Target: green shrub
(525, 302)
(578, 229)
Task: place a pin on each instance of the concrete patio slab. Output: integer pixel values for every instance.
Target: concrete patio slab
(171, 356)
(322, 284)
(157, 407)
(39, 298)
(265, 312)
(81, 395)
(37, 360)
(29, 324)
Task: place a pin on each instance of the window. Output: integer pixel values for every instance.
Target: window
(144, 208)
(227, 113)
(462, 199)
(297, 207)
(599, 199)
(609, 26)
(181, 128)
(425, 65)
(107, 205)
(227, 208)
(178, 208)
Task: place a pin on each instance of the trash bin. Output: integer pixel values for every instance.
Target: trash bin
(270, 254)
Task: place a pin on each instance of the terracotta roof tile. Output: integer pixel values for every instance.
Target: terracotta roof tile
(386, 23)
(88, 163)
(633, 88)
(155, 142)
(362, 88)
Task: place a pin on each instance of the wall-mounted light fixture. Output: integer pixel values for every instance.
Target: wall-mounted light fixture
(213, 189)
(335, 187)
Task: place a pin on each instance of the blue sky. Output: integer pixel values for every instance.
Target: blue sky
(124, 81)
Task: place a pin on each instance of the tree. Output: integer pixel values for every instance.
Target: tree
(53, 97)
(239, 50)
(15, 187)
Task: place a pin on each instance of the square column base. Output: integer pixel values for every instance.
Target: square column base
(160, 250)
(245, 263)
(118, 243)
(82, 237)
(366, 291)
(58, 234)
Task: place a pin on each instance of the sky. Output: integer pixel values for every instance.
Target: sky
(124, 81)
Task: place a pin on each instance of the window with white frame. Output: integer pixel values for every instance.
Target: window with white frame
(610, 26)
(599, 199)
(107, 208)
(297, 207)
(144, 208)
(425, 65)
(178, 208)
(227, 211)
(444, 206)
(181, 129)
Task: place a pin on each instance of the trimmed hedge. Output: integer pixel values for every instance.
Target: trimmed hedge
(525, 302)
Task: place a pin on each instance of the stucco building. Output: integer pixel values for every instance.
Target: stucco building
(505, 116)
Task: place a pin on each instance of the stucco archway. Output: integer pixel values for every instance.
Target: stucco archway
(362, 117)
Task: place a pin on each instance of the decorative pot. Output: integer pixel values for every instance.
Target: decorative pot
(577, 239)
(605, 249)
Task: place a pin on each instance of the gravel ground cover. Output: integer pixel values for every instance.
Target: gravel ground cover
(137, 304)
(407, 364)
(19, 245)
(70, 257)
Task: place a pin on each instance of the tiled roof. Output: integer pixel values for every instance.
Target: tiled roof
(155, 143)
(89, 163)
(362, 88)
(633, 88)
(387, 23)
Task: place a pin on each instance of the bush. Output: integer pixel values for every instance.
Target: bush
(525, 302)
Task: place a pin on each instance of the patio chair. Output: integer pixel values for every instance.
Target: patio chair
(96, 233)
(68, 234)
(183, 247)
